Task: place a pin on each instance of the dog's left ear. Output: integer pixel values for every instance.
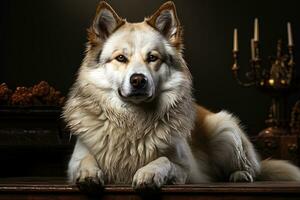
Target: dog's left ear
(105, 22)
(165, 20)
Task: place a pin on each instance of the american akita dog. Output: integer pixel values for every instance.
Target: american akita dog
(135, 118)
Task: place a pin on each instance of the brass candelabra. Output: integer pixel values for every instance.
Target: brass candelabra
(276, 80)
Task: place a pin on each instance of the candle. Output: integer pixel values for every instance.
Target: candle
(290, 36)
(256, 30)
(235, 40)
(252, 49)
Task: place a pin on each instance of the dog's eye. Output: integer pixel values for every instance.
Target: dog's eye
(152, 58)
(121, 58)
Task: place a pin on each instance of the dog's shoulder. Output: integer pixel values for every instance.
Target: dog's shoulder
(207, 121)
(200, 129)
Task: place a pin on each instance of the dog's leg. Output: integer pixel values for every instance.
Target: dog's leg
(83, 168)
(232, 153)
(157, 173)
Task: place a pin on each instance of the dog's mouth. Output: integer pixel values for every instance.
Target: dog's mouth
(135, 96)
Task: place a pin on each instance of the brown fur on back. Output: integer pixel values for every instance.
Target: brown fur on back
(200, 129)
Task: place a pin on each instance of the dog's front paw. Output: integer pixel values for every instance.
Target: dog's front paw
(149, 178)
(241, 176)
(90, 179)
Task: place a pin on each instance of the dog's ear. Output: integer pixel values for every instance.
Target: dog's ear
(165, 20)
(105, 22)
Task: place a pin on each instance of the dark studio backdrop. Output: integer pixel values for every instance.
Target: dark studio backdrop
(45, 40)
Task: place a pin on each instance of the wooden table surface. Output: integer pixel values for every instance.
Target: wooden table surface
(57, 188)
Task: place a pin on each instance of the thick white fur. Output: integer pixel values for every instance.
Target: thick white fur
(232, 154)
(149, 145)
(278, 170)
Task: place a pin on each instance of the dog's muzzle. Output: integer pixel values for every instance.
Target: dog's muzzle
(139, 90)
(138, 83)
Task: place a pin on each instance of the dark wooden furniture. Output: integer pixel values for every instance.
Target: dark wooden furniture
(33, 141)
(56, 188)
(284, 147)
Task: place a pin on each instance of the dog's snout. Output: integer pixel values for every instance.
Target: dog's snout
(138, 81)
(137, 87)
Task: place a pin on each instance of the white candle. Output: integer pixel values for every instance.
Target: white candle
(235, 40)
(252, 49)
(290, 36)
(256, 30)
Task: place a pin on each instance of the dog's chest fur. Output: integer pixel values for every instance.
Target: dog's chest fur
(122, 142)
(118, 156)
(120, 149)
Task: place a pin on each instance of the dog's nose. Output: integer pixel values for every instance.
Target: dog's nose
(138, 81)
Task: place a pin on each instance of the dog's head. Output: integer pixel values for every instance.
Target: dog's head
(135, 62)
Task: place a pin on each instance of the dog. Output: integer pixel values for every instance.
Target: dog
(135, 118)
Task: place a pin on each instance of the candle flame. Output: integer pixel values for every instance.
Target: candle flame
(271, 81)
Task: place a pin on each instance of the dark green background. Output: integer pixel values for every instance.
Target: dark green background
(44, 40)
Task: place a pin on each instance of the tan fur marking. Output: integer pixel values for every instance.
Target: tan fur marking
(200, 130)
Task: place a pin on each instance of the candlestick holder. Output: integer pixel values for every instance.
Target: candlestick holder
(277, 81)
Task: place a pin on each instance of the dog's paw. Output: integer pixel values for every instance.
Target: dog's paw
(148, 178)
(241, 176)
(90, 179)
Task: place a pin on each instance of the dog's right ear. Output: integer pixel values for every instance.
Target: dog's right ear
(105, 22)
(165, 21)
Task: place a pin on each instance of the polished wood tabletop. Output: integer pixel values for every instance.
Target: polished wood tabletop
(58, 188)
